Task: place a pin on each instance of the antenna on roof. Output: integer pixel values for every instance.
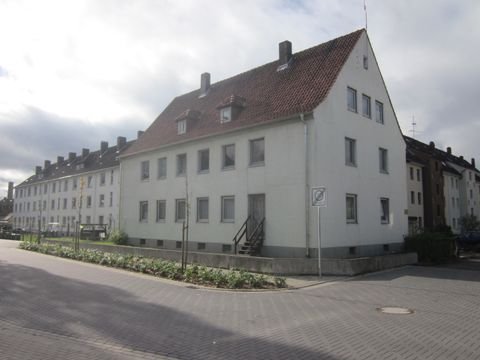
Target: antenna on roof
(365, 10)
(414, 124)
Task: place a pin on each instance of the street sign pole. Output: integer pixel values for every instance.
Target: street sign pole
(319, 199)
(319, 245)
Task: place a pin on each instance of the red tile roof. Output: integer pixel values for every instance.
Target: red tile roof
(269, 95)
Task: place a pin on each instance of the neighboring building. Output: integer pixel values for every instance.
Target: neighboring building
(6, 204)
(415, 196)
(82, 189)
(255, 144)
(450, 185)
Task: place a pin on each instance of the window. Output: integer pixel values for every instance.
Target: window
(351, 99)
(111, 199)
(65, 203)
(203, 160)
(225, 115)
(419, 198)
(228, 209)
(180, 210)
(226, 248)
(34, 206)
(454, 221)
(471, 194)
(181, 164)
(142, 242)
(111, 177)
(74, 203)
(385, 211)
(102, 179)
(89, 201)
(35, 191)
(75, 184)
(54, 187)
(350, 152)
(412, 197)
(65, 185)
(228, 156)
(257, 151)
(162, 168)
(58, 204)
(161, 210)
(181, 126)
(145, 170)
(366, 106)
(379, 112)
(89, 219)
(178, 244)
(383, 160)
(201, 246)
(365, 62)
(44, 204)
(160, 243)
(351, 204)
(52, 205)
(45, 188)
(143, 211)
(202, 210)
(89, 181)
(100, 219)
(411, 173)
(101, 200)
(452, 184)
(419, 175)
(453, 201)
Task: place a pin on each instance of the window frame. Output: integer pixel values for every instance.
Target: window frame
(159, 219)
(145, 170)
(384, 217)
(383, 160)
(354, 107)
(223, 218)
(225, 115)
(203, 219)
(161, 175)
(367, 112)
(181, 126)
(178, 202)
(143, 213)
(251, 144)
(354, 219)
(379, 112)
(178, 172)
(201, 170)
(352, 150)
(224, 157)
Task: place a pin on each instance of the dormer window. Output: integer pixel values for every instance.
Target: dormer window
(225, 115)
(181, 126)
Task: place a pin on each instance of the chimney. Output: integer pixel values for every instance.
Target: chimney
(432, 145)
(72, 156)
(449, 150)
(204, 84)
(140, 133)
(473, 162)
(46, 164)
(103, 146)
(284, 53)
(121, 141)
(461, 157)
(60, 160)
(10, 190)
(38, 170)
(85, 152)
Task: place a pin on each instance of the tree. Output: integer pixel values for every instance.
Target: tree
(469, 223)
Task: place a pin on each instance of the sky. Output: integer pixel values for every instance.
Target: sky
(74, 73)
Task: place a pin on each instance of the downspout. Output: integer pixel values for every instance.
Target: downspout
(307, 188)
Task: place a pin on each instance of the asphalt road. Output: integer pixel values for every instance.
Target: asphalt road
(53, 308)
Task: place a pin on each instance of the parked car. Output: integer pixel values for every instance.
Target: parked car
(469, 240)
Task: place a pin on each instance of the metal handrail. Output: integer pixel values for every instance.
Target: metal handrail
(253, 239)
(240, 234)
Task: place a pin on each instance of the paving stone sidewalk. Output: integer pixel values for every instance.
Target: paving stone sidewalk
(71, 305)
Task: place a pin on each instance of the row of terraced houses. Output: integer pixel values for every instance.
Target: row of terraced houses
(247, 151)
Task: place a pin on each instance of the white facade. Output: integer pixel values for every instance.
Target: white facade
(55, 204)
(300, 153)
(415, 197)
(451, 193)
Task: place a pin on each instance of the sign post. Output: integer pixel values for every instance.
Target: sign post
(319, 200)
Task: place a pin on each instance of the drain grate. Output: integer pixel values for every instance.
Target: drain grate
(395, 310)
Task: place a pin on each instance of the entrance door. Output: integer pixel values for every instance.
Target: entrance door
(256, 211)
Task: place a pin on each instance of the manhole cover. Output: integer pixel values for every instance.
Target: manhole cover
(395, 310)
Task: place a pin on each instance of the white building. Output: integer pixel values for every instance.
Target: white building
(255, 144)
(82, 189)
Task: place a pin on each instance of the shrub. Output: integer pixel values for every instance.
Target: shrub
(231, 279)
(431, 247)
(118, 237)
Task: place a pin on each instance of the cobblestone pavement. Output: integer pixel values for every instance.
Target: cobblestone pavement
(53, 308)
